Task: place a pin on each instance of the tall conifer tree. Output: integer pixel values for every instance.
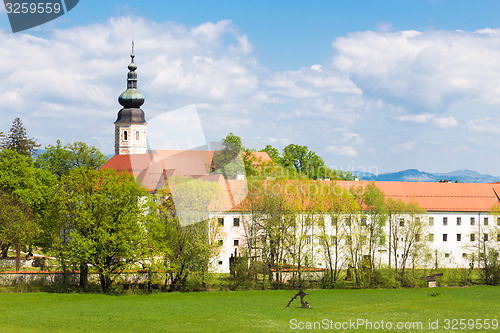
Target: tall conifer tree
(18, 140)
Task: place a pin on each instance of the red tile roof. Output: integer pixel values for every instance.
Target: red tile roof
(153, 169)
(448, 197)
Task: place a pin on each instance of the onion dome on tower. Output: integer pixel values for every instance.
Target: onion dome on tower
(131, 99)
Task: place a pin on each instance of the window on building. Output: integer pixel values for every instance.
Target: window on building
(363, 221)
(220, 262)
(431, 237)
(445, 237)
(417, 220)
(446, 255)
(485, 237)
(308, 240)
(472, 237)
(459, 221)
(401, 222)
(236, 242)
(445, 221)
(125, 135)
(472, 221)
(459, 237)
(464, 255)
(431, 221)
(485, 221)
(348, 221)
(236, 222)
(335, 220)
(221, 221)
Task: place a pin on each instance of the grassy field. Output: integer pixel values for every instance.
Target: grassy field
(246, 311)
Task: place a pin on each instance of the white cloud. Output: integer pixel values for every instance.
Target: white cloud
(485, 125)
(316, 67)
(445, 122)
(409, 145)
(431, 70)
(342, 150)
(77, 74)
(428, 118)
(65, 85)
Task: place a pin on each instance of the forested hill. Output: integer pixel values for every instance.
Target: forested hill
(411, 175)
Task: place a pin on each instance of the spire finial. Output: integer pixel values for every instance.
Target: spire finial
(132, 67)
(131, 97)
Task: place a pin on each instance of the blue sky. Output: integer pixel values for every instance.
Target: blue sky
(369, 85)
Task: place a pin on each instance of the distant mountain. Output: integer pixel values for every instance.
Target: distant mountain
(413, 175)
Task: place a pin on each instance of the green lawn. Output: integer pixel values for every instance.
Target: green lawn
(245, 311)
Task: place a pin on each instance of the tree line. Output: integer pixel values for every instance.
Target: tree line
(93, 220)
(98, 221)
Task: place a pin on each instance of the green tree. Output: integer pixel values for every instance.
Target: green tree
(19, 176)
(18, 140)
(409, 236)
(181, 234)
(486, 246)
(304, 161)
(374, 219)
(333, 206)
(395, 211)
(229, 160)
(273, 153)
(96, 220)
(269, 233)
(18, 222)
(26, 185)
(59, 160)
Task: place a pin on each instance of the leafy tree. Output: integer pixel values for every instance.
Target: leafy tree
(18, 222)
(486, 247)
(181, 233)
(95, 218)
(307, 163)
(302, 203)
(304, 161)
(18, 140)
(373, 201)
(19, 177)
(395, 211)
(273, 153)
(409, 237)
(59, 160)
(333, 206)
(229, 160)
(269, 233)
(27, 186)
(355, 239)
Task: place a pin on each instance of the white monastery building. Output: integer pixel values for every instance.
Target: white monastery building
(457, 214)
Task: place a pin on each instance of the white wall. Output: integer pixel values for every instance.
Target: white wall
(450, 252)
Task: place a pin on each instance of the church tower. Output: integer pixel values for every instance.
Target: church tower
(130, 125)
